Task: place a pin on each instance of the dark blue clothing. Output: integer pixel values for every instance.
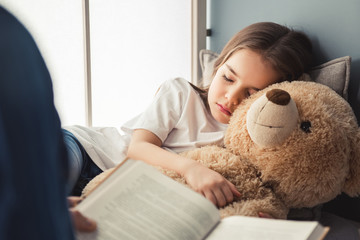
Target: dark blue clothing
(33, 159)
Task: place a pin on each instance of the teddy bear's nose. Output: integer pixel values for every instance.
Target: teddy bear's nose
(278, 96)
(272, 118)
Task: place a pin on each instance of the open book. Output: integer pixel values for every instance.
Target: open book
(138, 202)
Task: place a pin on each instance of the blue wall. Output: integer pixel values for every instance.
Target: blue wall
(332, 25)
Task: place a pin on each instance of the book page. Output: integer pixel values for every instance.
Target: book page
(139, 202)
(251, 228)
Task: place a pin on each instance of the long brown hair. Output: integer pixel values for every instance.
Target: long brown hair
(288, 51)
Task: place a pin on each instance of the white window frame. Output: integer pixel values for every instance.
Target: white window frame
(198, 38)
(198, 42)
(87, 67)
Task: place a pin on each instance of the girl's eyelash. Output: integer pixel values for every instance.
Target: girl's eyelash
(227, 79)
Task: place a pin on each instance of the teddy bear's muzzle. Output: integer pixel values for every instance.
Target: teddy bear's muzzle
(272, 118)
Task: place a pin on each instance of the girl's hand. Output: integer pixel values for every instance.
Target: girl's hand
(210, 184)
(264, 215)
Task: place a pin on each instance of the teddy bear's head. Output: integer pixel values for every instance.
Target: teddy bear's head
(303, 137)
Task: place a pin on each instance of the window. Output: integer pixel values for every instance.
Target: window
(134, 47)
(58, 31)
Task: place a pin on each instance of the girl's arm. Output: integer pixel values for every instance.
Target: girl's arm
(146, 146)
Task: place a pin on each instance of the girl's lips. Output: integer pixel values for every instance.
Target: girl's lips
(224, 109)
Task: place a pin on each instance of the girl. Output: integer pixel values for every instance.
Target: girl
(182, 116)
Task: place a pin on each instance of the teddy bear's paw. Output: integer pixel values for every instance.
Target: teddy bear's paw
(252, 208)
(237, 208)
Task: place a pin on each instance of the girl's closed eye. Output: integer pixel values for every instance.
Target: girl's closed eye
(227, 79)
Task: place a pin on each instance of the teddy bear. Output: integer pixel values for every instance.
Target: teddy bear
(291, 145)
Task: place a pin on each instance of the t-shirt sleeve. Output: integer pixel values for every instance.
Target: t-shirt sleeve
(164, 112)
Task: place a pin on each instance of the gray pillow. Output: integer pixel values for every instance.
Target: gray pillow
(335, 73)
(207, 60)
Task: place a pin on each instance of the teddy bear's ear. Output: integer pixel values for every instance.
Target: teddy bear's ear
(352, 184)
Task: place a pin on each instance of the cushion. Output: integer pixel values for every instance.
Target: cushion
(207, 60)
(334, 73)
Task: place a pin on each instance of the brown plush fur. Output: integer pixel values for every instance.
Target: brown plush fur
(307, 169)
(256, 195)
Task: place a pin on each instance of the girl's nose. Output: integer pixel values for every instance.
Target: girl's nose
(234, 97)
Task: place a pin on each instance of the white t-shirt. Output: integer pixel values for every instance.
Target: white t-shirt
(177, 115)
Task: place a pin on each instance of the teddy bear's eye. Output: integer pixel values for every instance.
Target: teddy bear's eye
(305, 126)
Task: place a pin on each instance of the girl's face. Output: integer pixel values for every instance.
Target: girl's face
(243, 74)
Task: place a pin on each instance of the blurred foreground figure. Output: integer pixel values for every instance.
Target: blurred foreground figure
(32, 167)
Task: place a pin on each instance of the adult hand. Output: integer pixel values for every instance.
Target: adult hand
(210, 184)
(80, 222)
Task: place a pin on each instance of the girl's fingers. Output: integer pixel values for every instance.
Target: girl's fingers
(210, 196)
(220, 198)
(222, 195)
(264, 215)
(227, 193)
(233, 189)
